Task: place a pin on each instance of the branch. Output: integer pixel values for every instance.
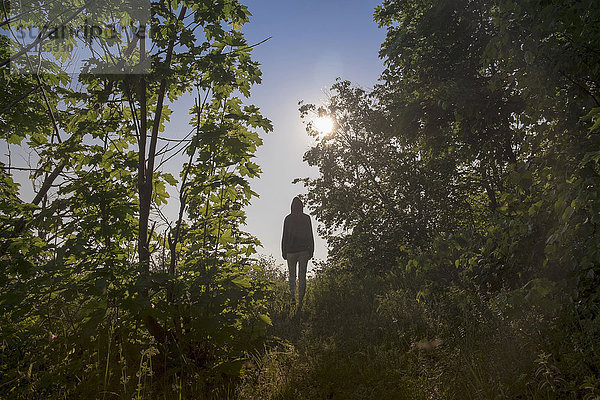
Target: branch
(41, 37)
(18, 99)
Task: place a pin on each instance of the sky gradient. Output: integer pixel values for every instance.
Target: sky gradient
(313, 43)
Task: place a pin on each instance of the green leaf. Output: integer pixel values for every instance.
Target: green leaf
(265, 319)
(15, 139)
(242, 281)
(169, 178)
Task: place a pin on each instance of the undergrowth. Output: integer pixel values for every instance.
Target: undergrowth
(368, 337)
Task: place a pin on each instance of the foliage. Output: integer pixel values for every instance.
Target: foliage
(377, 185)
(372, 331)
(459, 198)
(468, 177)
(102, 295)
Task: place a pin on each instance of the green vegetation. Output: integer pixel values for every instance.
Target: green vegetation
(459, 197)
(362, 336)
(101, 294)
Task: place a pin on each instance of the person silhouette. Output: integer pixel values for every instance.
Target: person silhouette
(297, 247)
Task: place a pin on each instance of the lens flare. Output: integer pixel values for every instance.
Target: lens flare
(323, 125)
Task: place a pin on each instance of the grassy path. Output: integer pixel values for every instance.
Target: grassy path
(370, 338)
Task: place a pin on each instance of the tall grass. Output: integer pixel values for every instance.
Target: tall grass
(368, 337)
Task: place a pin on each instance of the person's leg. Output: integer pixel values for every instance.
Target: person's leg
(292, 260)
(302, 266)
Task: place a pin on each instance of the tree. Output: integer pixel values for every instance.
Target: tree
(379, 192)
(482, 137)
(93, 256)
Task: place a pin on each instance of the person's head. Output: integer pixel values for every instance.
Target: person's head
(297, 205)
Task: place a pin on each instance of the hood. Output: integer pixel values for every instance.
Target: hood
(297, 205)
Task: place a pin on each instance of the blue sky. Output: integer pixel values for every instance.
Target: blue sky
(312, 43)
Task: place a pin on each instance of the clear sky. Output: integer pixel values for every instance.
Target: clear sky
(313, 42)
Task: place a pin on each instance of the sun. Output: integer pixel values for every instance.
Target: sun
(323, 125)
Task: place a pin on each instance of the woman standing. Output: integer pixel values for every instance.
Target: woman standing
(297, 247)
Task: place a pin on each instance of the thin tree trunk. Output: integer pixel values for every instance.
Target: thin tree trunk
(146, 177)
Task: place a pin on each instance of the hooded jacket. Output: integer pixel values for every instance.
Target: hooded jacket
(297, 231)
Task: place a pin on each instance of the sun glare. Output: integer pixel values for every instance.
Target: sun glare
(323, 125)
